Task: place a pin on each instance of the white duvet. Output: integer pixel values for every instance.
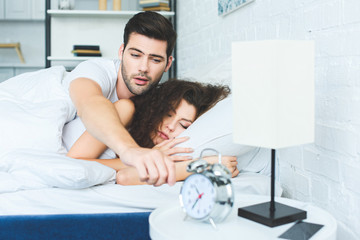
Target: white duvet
(34, 108)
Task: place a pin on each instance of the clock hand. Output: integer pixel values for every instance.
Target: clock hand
(195, 203)
(199, 197)
(197, 191)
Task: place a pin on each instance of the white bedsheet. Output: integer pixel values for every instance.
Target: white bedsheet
(113, 198)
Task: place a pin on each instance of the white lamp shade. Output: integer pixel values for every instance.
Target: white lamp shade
(273, 93)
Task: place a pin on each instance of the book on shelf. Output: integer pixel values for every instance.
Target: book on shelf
(86, 47)
(87, 54)
(153, 1)
(156, 9)
(155, 4)
(86, 51)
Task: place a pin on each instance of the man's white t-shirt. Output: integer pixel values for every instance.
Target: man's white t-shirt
(101, 70)
(104, 72)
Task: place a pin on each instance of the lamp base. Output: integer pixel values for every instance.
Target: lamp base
(282, 214)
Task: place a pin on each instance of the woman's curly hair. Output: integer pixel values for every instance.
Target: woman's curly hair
(152, 107)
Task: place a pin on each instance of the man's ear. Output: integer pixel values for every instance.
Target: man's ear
(121, 51)
(170, 60)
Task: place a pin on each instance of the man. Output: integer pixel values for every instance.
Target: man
(145, 55)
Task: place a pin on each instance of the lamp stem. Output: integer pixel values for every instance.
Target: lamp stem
(272, 213)
(272, 202)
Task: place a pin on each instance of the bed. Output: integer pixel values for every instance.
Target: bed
(46, 195)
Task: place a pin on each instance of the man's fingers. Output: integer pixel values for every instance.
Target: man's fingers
(162, 172)
(153, 173)
(171, 178)
(153, 166)
(142, 171)
(163, 175)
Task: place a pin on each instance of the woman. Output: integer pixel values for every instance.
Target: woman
(154, 120)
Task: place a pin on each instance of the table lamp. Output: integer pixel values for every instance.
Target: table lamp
(273, 107)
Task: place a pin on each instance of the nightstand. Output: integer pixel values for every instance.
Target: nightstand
(167, 223)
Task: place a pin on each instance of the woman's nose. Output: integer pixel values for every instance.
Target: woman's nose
(171, 125)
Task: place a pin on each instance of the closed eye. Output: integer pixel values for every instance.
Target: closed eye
(184, 126)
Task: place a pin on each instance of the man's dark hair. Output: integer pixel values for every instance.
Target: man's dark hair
(152, 25)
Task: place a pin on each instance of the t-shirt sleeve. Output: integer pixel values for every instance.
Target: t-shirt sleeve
(99, 70)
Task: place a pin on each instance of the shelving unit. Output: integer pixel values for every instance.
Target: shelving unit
(104, 28)
(65, 28)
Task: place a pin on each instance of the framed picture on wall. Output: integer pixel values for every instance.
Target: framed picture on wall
(227, 6)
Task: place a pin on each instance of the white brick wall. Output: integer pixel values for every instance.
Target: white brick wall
(326, 173)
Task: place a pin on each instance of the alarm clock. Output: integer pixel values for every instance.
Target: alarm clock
(207, 194)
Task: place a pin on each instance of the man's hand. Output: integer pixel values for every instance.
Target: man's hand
(153, 166)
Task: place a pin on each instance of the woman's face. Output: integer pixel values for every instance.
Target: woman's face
(175, 122)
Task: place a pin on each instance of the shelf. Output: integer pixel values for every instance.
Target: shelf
(21, 65)
(69, 58)
(98, 13)
(22, 21)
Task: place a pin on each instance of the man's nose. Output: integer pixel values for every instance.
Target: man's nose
(144, 65)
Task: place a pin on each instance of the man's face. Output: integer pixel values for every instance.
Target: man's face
(143, 63)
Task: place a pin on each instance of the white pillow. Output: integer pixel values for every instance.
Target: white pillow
(34, 169)
(32, 125)
(34, 108)
(214, 130)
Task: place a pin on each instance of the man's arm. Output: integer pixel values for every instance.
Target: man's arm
(128, 175)
(102, 121)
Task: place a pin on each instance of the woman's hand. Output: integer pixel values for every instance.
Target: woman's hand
(228, 161)
(167, 147)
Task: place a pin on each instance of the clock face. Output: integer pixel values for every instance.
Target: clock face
(198, 196)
